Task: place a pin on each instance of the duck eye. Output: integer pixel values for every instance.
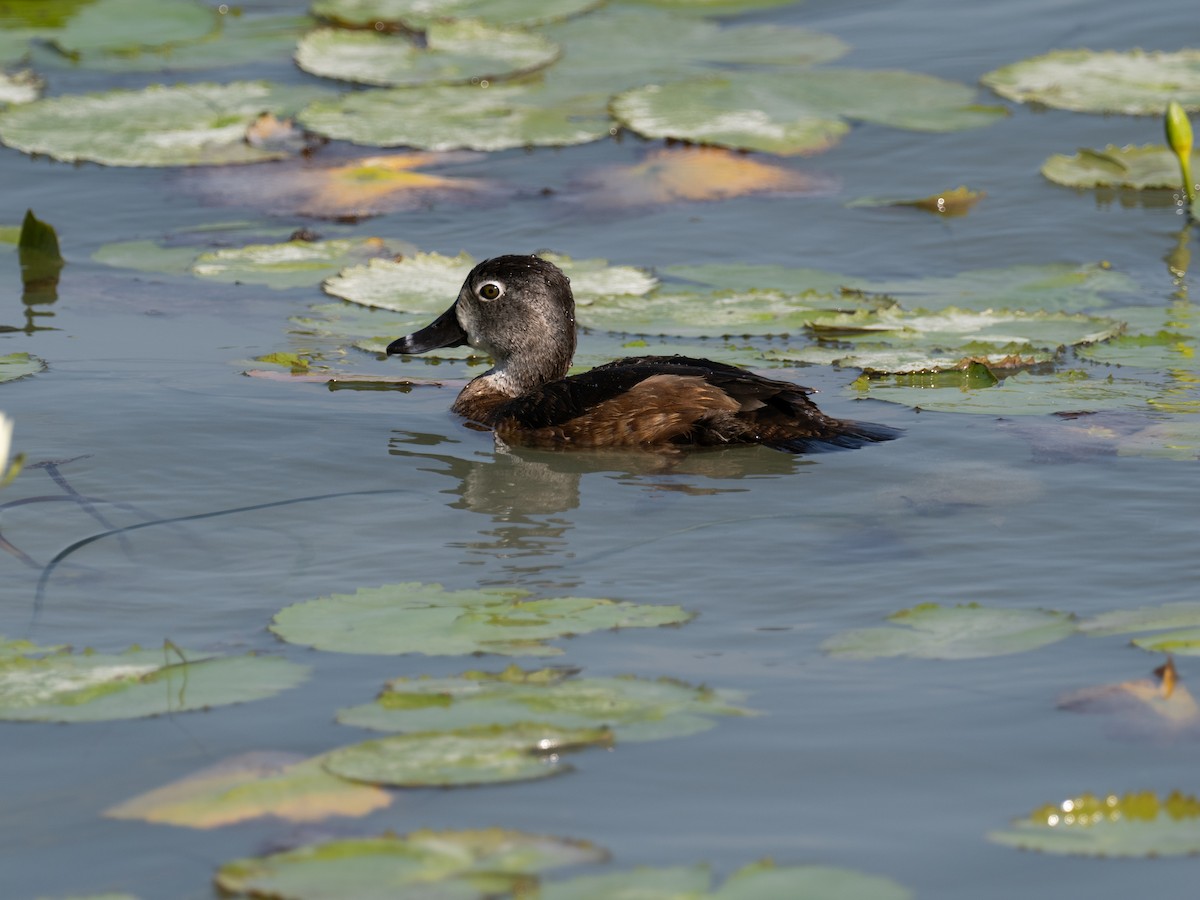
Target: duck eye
(490, 290)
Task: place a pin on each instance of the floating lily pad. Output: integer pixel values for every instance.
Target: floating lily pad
(462, 52)
(481, 754)
(634, 708)
(250, 786)
(19, 365)
(879, 359)
(93, 687)
(1141, 824)
(20, 87)
(347, 189)
(967, 631)
(642, 883)
(1157, 339)
(1135, 82)
(186, 125)
(956, 202)
(417, 14)
(1185, 614)
(761, 880)
(676, 174)
(805, 112)
(293, 263)
(424, 863)
(715, 7)
(426, 618)
(127, 26)
(1139, 168)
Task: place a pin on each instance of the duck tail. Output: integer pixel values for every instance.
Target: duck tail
(850, 435)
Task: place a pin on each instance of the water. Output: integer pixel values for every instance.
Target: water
(893, 767)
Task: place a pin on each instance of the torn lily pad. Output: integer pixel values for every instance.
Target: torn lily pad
(23, 86)
(295, 263)
(450, 864)
(1135, 824)
(94, 687)
(250, 786)
(966, 631)
(1134, 82)
(480, 754)
(634, 708)
(460, 52)
(185, 125)
(19, 365)
(1137, 168)
(417, 14)
(425, 618)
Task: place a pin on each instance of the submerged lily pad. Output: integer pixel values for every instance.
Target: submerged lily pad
(956, 202)
(1139, 168)
(416, 14)
(186, 125)
(450, 864)
(968, 631)
(250, 786)
(19, 365)
(449, 53)
(1136, 824)
(94, 687)
(635, 708)
(1135, 82)
(294, 263)
(481, 754)
(426, 618)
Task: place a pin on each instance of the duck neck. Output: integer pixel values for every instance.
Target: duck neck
(510, 378)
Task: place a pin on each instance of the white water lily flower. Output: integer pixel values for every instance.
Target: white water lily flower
(7, 472)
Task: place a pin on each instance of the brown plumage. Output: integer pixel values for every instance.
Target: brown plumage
(520, 311)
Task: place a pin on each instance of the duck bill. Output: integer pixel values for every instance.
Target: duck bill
(444, 331)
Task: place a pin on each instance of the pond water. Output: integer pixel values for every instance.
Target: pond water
(249, 495)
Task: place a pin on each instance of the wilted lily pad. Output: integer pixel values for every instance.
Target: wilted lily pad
(435, 863)
(1141, 824)
(481, 754)
(20, 87)
(416, 14)
(1149, 166)
(1136, 82)
(186, 125)
(19, 365)
(286, 786)
(93, 687)
(426, 618)
(462, 52)
(956, 202)
(294, 263)
(967, 631)
(635, 708)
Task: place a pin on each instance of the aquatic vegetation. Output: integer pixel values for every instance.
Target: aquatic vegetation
(416, 14)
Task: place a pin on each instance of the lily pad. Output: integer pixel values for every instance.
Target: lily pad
(19, 365)
(967, 631)
(250, 786)
(1156, 706)
(127, 26)
(634, 708)
(1185, 614)
(417, 14)
(1139, 168)
(94, 687)
(876, 360)
(805, 112)
(642, 883)
(293, 263)
(481, 754)
(957, 202)
(715, 7)
(420, 864)
(1135, 82)
(1136, 824)
(426, 618)
(186, 125)
(462, 52)
(20, 87)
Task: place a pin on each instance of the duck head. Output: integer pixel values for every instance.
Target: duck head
(519, 310)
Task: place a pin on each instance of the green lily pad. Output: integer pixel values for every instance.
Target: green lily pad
(763, 880)
(94, 687)
(481, 754)
(642, 883)
(127, 26)
(417, 14)
(1185, 614)
(998, 330)
(1155, 338)
(250, 786)
(19, 365)
(880, 359)
(1141, 824)
(426, 863)
(20, 87)
(426, 618)
(463, 52)
(1134, 82)
(292, 263)
(805, 112)
(966, 631)
(186, 125)
(715, 7)
(1139, 168)
(634, 708)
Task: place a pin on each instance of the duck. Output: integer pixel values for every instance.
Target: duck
(519, 310)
